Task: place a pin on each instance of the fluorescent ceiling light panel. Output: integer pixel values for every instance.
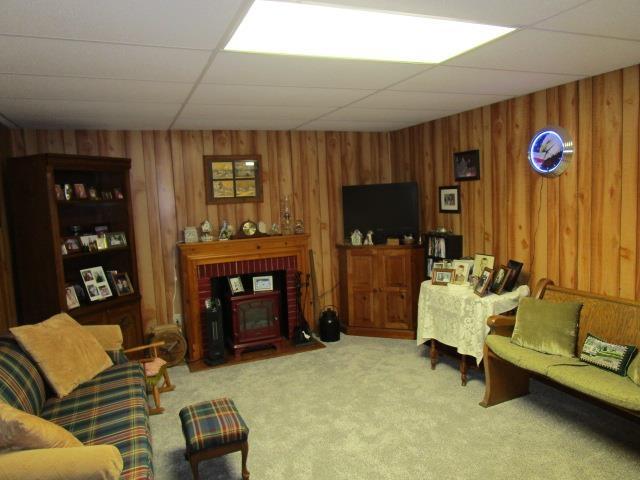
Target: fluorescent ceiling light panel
(321, 31)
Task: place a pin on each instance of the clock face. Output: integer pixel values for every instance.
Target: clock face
(550, 151)
(249, 228)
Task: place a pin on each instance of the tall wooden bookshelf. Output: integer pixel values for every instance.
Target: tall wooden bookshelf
(41, 222)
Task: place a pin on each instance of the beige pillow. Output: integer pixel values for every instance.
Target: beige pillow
(22, 431)
(633, 372)
(96, 462)
(66, 354)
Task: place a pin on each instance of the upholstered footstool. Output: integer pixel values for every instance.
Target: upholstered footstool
(214, 428)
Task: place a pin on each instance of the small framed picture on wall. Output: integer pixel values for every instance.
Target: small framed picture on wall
(450, 199)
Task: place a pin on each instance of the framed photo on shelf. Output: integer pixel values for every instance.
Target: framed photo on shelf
(59, 191)
(72, 245)
(72, 298)
(89, 243)
(500, 277)
(116, 239)
(263, 283)
(442, 276)
(484, 281)
(122, 283)
(79, 190)
(101, 241)
(450, 199)
(235, 284)
(466, 165)
(95, 281)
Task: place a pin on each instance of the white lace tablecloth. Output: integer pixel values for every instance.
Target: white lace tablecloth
(457, 317)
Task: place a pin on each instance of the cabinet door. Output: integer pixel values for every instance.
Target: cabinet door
(395, 309)
(394, 301)
(362, 272)
(395, 271)
(128, 317)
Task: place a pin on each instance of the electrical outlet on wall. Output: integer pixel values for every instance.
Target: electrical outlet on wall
(177, 319)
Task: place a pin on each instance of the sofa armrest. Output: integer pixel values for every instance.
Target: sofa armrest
(96, 462)
(109, 336)
(501, 325)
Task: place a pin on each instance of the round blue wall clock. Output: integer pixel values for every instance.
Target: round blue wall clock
(550, 151)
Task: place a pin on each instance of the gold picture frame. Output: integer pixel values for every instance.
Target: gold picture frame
(233, 178)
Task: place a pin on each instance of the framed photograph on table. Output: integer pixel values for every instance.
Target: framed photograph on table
(462, 268)
(450, 199)
(516, 268)
(442, 276)
(484, 281)
(500, 277)
(482, 261)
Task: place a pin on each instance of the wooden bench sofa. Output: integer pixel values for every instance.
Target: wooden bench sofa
(508, 367)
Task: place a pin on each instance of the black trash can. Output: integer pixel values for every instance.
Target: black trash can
(329, 325)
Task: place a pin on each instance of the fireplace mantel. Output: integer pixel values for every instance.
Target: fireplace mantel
(196, 256)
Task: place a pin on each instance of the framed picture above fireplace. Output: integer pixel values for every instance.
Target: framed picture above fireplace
(263, 283)
(235, 284)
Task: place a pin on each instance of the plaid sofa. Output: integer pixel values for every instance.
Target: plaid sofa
(109, 409)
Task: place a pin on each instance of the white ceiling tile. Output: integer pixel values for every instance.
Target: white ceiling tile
(385, 115)
(190, 24)
(50, 113)
(553, 52)
(619, 18)
(481, 81)
(234, 112)
(91, 89)
(209, 93)
(442, 102)
(493, 12)
(190, 123)
(281, 70)
(86, 59)
(351, 126)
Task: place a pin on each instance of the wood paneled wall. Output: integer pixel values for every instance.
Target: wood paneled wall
(580, 229)
(168, 187)
(7, 303)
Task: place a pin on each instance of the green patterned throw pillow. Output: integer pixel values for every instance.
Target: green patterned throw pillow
(608, 356)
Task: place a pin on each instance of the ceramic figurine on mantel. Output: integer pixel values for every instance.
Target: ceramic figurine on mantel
(275, 229)
(225, 231)
(299, 228)
(205, 229)
(368, 240)
(262, 227)
(356, 238)
(286, 226)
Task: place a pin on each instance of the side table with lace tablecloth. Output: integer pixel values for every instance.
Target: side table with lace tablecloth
(455, 316)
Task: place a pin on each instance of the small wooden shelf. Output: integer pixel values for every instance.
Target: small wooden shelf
(111, 302)
(88, 202)
(70, 256)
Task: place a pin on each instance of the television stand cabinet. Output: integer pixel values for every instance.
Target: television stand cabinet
(379, 288)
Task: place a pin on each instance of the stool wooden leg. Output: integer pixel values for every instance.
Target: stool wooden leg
(463, 370)
(433, 353)
(245, 453)
(194, 468)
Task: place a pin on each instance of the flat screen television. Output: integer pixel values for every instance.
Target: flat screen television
(389, 209)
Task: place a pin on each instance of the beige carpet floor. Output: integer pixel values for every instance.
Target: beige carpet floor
(368, 408)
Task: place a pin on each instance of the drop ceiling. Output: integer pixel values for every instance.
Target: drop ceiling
(160, 64)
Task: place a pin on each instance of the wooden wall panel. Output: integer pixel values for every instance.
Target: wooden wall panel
(580, 229)
(7, 302)
(167, 179)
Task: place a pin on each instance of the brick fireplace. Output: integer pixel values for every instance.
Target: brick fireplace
(200, 262)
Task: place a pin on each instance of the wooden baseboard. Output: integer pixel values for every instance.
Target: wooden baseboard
(381, 332)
